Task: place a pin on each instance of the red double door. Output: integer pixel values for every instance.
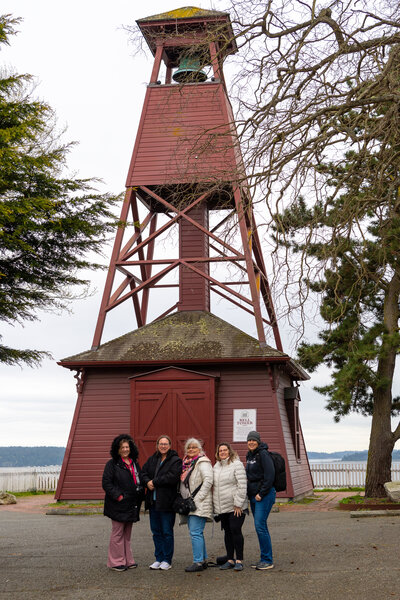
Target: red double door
(176, 402)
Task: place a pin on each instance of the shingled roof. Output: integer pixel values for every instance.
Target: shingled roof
(186, 12)
(195, 336)
(189, 19)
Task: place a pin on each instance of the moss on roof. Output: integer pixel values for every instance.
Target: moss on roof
(186, 12)
(186, 335)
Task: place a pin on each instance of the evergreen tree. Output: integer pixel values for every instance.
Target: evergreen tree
(48, 222)
(354, 234)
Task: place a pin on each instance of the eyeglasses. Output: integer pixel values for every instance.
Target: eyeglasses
(164, 444)
(193, 448)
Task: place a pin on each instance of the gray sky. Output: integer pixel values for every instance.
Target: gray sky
(85, 69)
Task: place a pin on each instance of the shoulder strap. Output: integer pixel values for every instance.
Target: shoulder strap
(196, 490)
(188, 478)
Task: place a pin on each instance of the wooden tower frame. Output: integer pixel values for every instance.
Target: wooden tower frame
(167, 37)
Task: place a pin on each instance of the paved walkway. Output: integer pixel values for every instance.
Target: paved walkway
(326, 501)
(30, 504)
(318, 554)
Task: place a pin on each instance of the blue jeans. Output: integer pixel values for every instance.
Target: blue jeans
(162, 527)
(260, 512)
(196, 527)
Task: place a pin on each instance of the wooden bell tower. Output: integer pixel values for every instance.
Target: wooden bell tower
(186, 163)
(187, 237)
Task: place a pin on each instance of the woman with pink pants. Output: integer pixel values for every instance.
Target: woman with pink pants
(124, 494)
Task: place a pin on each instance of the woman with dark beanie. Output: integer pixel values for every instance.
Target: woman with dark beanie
(260, 472)
(124, 492)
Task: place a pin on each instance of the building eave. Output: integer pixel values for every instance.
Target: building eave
(295, 370)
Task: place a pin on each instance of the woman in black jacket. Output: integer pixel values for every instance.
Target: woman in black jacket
(124, 492)
(161, 474)
(260, 473)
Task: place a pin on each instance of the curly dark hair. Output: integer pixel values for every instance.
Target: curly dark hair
(116, 443)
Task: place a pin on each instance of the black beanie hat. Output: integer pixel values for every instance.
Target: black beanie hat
(254, 435)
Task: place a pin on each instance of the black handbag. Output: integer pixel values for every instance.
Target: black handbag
(184, 506)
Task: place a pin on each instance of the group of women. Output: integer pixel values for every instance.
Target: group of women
(222, 492)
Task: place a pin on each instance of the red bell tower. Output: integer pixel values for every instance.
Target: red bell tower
(187, 237)
(186, 165)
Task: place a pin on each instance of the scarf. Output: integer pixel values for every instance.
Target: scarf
(130, 464)
(188, 465)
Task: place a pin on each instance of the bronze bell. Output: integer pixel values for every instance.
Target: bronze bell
(189, 71)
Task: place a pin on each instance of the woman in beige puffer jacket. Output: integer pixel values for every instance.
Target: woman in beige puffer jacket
(230, 502)
(197, 471)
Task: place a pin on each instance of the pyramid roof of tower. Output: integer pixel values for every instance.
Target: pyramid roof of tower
(184, 17)
(186, 12)
(182, 337)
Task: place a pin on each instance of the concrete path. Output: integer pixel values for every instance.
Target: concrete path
(326, 501)
(30, 504)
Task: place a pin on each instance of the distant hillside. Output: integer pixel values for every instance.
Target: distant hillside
(342, 455)
(31, 456)
(326, 455)
(363, 455)
(347, 455)
(355, 456)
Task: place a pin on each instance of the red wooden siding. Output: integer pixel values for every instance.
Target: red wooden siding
(105, 411)
(184, 136)
(193, 243)
(248, 387)
(300, 473)
(292, 410)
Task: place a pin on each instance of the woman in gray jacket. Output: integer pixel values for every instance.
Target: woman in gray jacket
(230, 502)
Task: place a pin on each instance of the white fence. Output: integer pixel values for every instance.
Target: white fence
(45, 479)
(23, 479)
(344, 474)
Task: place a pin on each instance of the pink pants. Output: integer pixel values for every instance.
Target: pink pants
(119, 548)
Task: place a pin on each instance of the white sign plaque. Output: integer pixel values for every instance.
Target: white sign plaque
(244, 421)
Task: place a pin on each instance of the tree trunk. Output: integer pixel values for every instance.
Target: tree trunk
(381, 445)
(382, 440)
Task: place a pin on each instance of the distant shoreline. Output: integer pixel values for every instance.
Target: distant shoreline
(312, 461)
(20, 457)
(340, 461)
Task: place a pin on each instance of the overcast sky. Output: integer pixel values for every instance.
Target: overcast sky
(85, 69)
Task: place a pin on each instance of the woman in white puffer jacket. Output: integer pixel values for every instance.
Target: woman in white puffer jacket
(230, 502)
(197, 474)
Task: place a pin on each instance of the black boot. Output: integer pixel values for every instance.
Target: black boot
(194, 567)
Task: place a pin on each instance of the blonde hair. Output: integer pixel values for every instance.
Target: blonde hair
(232, 453)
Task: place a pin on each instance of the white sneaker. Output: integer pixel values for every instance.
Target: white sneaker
(155, 565)
(165, 566)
